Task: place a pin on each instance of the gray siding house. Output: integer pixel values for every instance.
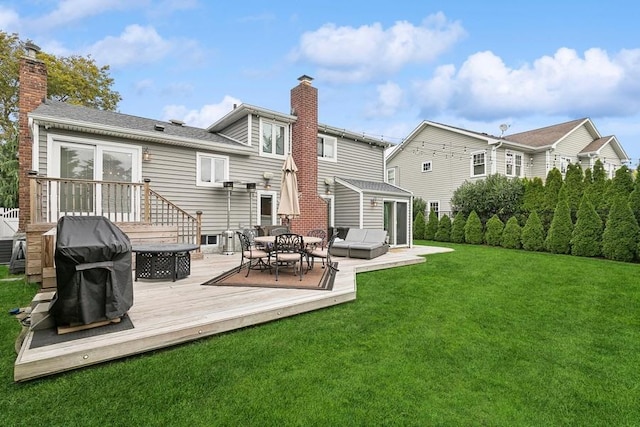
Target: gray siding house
(229, 174)
(435, 159)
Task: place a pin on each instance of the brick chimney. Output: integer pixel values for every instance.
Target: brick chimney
(304, 141)
(32, 92)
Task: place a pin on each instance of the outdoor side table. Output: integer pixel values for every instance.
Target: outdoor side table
(163, 261)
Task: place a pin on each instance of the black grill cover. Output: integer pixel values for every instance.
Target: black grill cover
(93, 271)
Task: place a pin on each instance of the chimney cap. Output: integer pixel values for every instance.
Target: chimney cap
(305, 79)
(32, 49)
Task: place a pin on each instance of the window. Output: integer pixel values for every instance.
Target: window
(434, 205)
(513, 164)
(211, 170)
(564, 164)
(391, 176)
(273, 138)
(327, 147)
(478, 164)
(426, 166)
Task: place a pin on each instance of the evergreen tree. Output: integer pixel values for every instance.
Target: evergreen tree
(418, 227)
(574, 186)
(558, 239)
(512, 234)
(586, 239)
(620, 237)
(457, 229)
(533, 195)
(473, 229)
(444, 229)
(634, 197)
(552, 188)
(493, 234)
(432, 226)
(596, 190)
(620, 186)
(533, 233)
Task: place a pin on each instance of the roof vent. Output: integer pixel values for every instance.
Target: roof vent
(177, 122)
(158, 127)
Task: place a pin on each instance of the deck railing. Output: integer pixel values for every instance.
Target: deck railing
(53, 198)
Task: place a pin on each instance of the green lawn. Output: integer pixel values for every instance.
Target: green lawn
(478, 336)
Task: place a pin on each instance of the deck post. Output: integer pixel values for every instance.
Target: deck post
(198, 228)
(147, 201)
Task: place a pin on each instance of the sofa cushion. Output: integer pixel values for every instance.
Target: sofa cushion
(375, 236)
(355, 235)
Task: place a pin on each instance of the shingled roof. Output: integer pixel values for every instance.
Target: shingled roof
(62, 114)
(545, 136)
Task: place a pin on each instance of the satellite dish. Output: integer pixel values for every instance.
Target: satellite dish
(503, 128)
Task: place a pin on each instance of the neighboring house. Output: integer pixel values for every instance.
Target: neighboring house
(435, 159)
(236, 162)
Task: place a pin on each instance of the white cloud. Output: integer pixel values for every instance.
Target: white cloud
(563, 84)
(136, 45)
(348, 54)
(390, 99)
(9, 20)
(205, 116)
(69, 11)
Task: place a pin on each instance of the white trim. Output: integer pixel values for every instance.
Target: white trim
(35, 145)
(274, 206)
(430, 169)
(471, 164)
(334, 158)
(387, 175)
(199, 156)
(287, 142)
(515, 155)
(331, 200)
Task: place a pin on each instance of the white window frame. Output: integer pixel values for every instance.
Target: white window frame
(472, 163)
(326, 139)
(564, 164)
(427, 166)
(212, 157)
(56, 141)
(272, 153)
(429, 204)
(274, 206)
(511, 159)
(391, 176)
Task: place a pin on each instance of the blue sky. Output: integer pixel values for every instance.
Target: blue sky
(380, 67)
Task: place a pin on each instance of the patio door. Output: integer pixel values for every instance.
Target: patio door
(266, 208)
(101, 169)
(396, 222)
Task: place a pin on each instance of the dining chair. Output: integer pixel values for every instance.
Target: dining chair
(310, 247)
(251, 234)
(288, 250)
(278, 230)
(255, 257)
(323, 253)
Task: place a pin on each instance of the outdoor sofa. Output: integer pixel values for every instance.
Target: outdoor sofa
(366, 243)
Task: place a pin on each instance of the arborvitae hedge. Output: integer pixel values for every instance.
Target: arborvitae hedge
(457, 229)
(418, 226)
(444, 229)
(432, 226)
(620, 237)
(634, 198)
(493, 234)
(586, 239)
(511, 234)
(558, 239)
(473, 229)
(533, 233)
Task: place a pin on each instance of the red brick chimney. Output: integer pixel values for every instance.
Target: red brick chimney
(32, 92)
(304, 141)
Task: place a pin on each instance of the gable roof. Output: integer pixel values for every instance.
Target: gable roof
(550, 135)
(90, 120)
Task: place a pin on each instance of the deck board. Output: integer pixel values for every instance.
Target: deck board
(170, 313)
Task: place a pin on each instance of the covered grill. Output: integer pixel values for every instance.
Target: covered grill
(93, 271)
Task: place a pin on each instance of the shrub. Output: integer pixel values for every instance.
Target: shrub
(634, 199)
(418, 226)
(586, 239)
(493, 234)
(533, 195)
(620, 237)
(444, 229)
(432, 226)
(533, 233)
(497, 194)
(473, 229)
(558, 239)
(457, 229)
(419, 206)
(512, 234)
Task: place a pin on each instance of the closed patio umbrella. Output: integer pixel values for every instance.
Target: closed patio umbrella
(289, 206)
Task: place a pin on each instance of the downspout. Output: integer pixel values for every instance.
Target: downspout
(35, 147)
(494, 159)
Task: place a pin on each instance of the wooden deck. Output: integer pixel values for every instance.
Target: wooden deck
(170, 313)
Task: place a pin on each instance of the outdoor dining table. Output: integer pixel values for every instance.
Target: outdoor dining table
(307, 240)
(163, 260)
